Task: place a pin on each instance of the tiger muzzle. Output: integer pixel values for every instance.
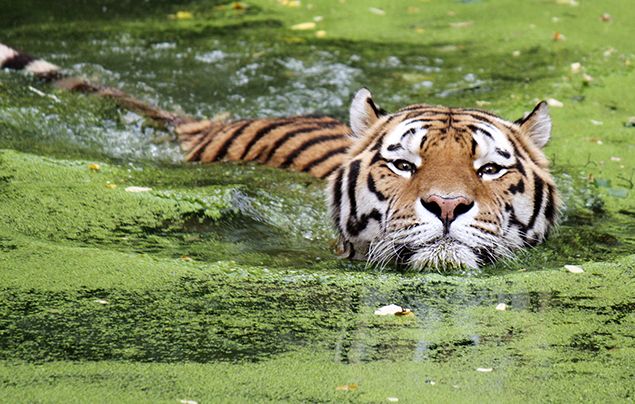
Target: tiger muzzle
(447, 209)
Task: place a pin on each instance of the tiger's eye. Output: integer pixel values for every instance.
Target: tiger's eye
(404, 165)
(489, 169)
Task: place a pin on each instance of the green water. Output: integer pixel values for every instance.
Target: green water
(217, 286)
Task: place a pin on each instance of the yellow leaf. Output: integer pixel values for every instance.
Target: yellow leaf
(347, 387)
(303, 26)
(94, 167)
(239, 6)
(320, 34)
(184, 15)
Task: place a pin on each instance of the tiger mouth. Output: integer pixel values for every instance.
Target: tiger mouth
(441, 254)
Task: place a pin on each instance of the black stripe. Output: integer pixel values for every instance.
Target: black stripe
(378, 111)
(474, 145)
(353, 174)
(413, 114)
(517, 149)
(475, 129)
(376, 157)
(286, 137)
(520, 167)
(373, 189)
(423, 141)
(202, 146)
(424, 120)
(307, 145)
(336, 204)
(519, 187)
(261, 133)
(18, 61)
(503, 153)
(486, 119)
(550, 208)
(538, 188)
(356, 226)
(309, 166)
(412, 107)
(351, 253)
(409, 132)
(394, 147)
(230, 140)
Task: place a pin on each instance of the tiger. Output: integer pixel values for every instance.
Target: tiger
(424, 188)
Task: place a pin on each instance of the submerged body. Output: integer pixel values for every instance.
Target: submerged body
(425, 187)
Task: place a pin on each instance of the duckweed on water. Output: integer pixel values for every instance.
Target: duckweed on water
(217, 286)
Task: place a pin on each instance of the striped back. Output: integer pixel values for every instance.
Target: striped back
(315, 145)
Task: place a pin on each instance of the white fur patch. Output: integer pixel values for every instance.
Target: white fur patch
(6, 53)
(41, 67)
(491, 146)
(409, 143)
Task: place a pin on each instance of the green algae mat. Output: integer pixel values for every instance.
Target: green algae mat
(218, 283)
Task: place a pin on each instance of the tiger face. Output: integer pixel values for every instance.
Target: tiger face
(436, 187)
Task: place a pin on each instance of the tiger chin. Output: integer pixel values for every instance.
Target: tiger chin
(431, 187)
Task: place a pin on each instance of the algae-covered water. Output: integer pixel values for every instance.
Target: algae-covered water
(220, 284)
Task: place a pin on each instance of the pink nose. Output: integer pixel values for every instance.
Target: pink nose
(447, 208)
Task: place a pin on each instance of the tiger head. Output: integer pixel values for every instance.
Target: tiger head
(437, 187)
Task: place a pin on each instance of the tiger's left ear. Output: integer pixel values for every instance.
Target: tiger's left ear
(537, 125)
(364, 112)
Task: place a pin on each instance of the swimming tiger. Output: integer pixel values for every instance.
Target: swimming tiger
(423, 187)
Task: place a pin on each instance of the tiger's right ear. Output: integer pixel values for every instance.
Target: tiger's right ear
(364, 112)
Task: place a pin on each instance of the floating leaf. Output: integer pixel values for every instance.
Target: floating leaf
(94, 167)
(377, 11)
(237, 5)
(138, 189)
(461, 24)
(574, 269)
(393, 309)
(552, 102)
(184, 15)
(347, 387)
(501, 307)
(320, 34)
(484, 370)
(386, 310)
(557, 36)
(303, 26)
